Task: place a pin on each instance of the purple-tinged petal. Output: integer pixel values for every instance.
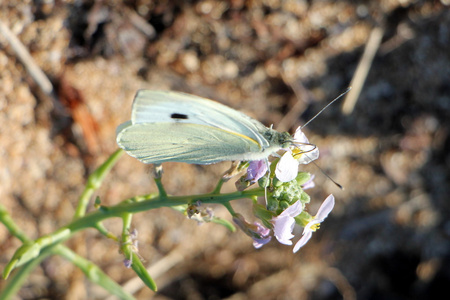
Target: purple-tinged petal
(325, 209)
(256, 231)
(256, 170)
(261, 230)
(302, 242)
(264, 233)
(258, 243)
(287, 168)
(127, 263)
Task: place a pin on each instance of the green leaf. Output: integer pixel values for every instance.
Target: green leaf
(141, 271)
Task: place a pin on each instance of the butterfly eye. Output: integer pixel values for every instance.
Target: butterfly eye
(285, 140)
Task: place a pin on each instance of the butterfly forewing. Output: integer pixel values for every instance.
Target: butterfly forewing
(165, 106)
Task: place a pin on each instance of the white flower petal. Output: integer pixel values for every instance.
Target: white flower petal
(287, 168)
(325, 208)
(282, 229)
(300, 137)
(302, 242)
(293, 210)
(284, 223)
(311, 153)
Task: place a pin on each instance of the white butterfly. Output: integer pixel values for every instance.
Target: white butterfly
(172, 126)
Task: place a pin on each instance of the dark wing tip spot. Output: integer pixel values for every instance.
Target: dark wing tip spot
(179, 116)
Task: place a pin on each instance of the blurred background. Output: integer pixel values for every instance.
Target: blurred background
(278, 61)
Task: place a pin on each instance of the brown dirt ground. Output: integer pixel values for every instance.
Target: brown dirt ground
(388, 237)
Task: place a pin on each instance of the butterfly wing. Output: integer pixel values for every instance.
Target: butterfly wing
(183, 142)
(167, 106)
(172, 126)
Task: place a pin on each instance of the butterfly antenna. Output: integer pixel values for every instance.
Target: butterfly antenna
(328, 176)
(326, 106)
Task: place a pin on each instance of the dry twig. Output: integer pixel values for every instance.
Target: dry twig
(25, 57)
(362, 70)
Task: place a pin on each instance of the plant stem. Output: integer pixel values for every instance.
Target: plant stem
(94, 181)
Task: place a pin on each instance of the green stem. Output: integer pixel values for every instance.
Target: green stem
(12, 227)
(102, 229)
(18, 279)
(157, 175)
(94, 181)
(31, 250)
(218, 186)
(162, 191)
(94, 273)
(230, 208)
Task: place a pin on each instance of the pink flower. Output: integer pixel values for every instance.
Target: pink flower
(284, 223)
(127, 263)
(264, 233)
(256, 170)
(303, 153)
(314, 224)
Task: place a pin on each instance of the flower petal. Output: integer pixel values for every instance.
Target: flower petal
(293, 210)
(264, 233)
(325, 209)
(287, 168)
(302, 242)
(310, 153)
(300, 137)
(282, 229)
(284, 223)
(258, 243)
(256, 170)
(127, 263)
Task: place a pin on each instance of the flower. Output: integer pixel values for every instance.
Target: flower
(127, 263)
(287, 167)
(264, 233)
(303, 153)
(256, 170)
(314, 224)
(199, 214)
(256, 231)
(284, 223)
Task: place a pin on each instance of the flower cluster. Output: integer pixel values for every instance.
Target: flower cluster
(285, 196)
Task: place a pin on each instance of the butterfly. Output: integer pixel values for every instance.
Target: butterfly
(168, 126)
